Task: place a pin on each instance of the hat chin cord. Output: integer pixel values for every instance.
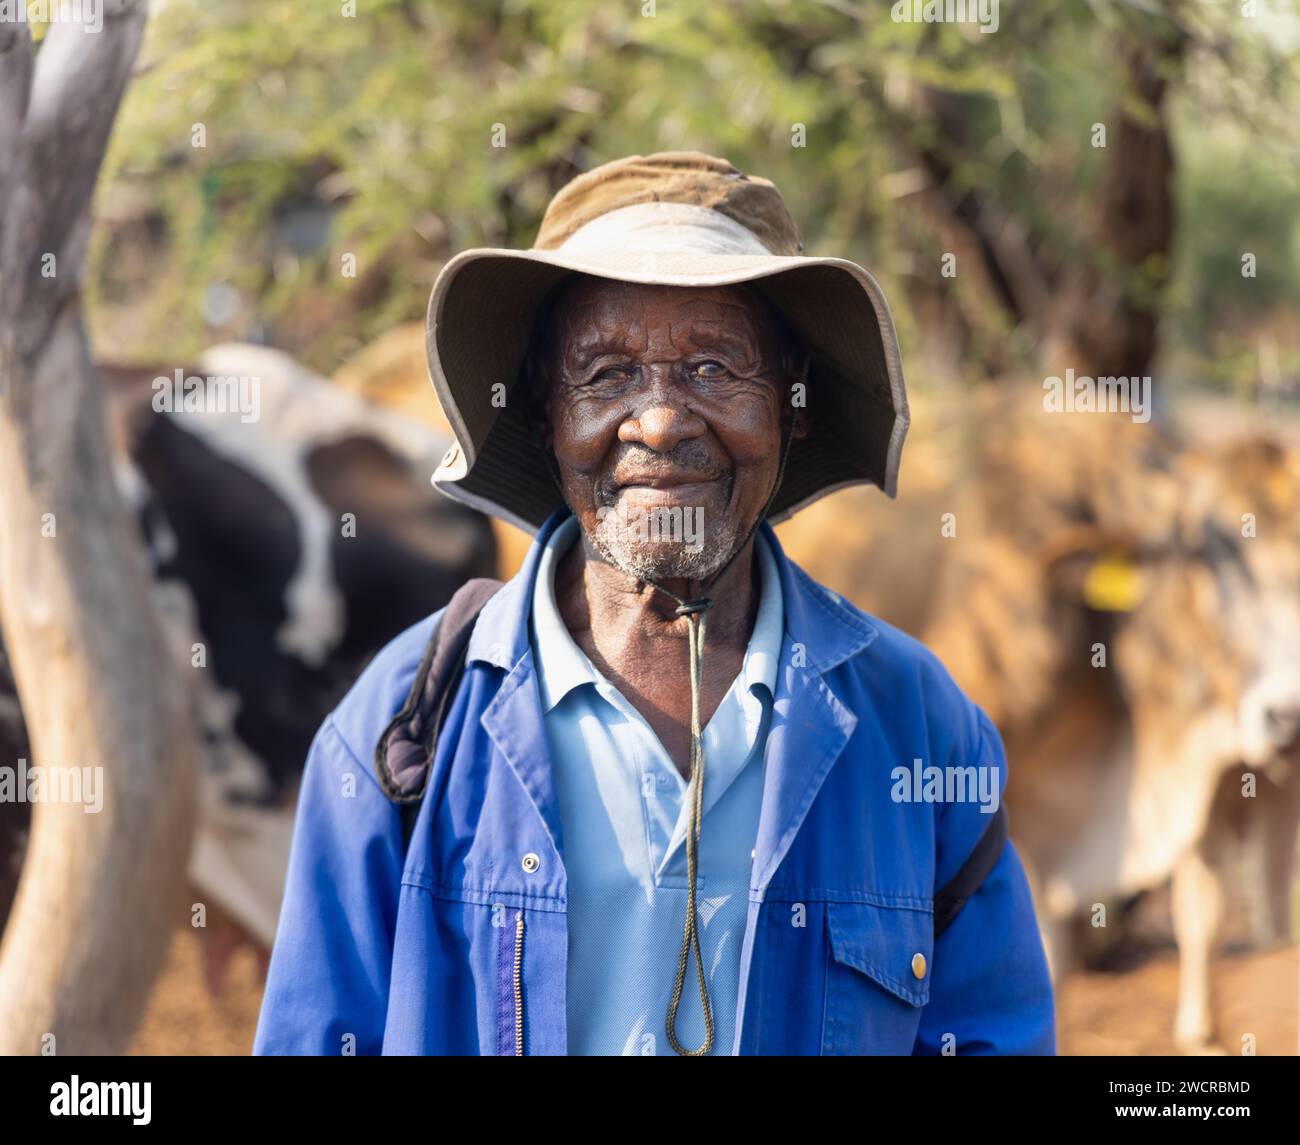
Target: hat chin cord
(694, 612)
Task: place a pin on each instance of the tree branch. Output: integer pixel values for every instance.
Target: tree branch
(75, 92)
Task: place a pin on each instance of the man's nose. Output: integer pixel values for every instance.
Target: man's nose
(662, 420)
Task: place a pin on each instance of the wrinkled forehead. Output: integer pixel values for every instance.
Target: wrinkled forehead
(630, 317)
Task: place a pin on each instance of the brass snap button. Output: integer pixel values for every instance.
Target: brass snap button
(531, 863)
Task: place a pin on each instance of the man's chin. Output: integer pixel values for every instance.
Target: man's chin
(658, 561)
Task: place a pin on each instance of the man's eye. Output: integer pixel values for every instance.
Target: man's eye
(612, 374)
(710, 370)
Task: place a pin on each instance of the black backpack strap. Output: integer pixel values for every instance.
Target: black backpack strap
(952, 896)
(404, 753)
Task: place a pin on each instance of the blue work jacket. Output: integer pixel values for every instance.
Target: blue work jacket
(459, 945)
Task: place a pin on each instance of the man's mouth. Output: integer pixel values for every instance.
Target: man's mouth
(672, 490)
(665, 482)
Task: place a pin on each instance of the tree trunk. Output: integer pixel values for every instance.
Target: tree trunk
(98, 685)
(1108, 315)
(1096, 308)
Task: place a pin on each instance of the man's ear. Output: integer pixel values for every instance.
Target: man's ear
(535, 393)
(802, 421)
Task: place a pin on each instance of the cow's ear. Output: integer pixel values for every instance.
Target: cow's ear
(1095, 567)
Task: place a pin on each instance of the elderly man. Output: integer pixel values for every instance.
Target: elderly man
(660, 793)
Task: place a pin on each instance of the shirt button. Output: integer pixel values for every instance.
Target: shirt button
(531, 863)
(918, 966)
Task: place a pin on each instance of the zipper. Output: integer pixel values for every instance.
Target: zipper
(519, 984)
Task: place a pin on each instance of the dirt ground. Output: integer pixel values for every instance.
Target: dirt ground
(184, 1020)
(1124, 1012)
(1131, 1013)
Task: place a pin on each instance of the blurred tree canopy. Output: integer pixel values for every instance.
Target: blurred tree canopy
(265, 140)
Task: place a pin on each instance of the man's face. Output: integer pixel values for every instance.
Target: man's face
(665, 408)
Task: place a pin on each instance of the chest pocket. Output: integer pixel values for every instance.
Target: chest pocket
(877, 977)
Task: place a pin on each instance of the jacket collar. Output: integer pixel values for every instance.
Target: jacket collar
(501, 635)
(828, 630)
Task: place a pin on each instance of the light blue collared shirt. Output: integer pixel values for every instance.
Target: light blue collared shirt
(624, 814)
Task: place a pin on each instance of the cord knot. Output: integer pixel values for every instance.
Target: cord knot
(690, 607)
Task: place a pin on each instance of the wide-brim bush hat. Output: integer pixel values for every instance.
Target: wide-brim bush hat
(677, 219)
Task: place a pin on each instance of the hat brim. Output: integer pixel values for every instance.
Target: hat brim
(480, 319)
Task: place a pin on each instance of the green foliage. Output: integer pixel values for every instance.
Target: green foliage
(373, 135)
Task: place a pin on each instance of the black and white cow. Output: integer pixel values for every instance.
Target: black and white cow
(291, 536)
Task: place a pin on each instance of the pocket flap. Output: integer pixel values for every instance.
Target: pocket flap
(891, 945)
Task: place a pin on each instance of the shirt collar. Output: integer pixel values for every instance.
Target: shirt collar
(563, 666)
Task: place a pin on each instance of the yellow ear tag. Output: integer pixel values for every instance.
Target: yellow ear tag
(1112, 584)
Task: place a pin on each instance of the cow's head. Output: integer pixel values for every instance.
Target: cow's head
(1202, 603)
(1247, 497)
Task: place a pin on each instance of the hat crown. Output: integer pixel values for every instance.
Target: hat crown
(686, 177)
